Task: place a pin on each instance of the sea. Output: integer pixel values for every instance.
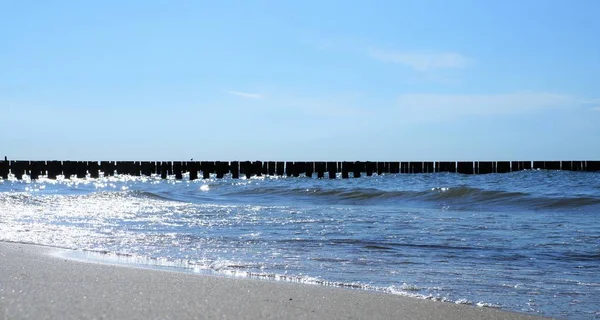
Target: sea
(526, 241)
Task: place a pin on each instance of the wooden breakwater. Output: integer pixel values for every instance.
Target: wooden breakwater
(330, 169)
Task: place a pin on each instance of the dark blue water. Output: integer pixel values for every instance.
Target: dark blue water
(526, 241)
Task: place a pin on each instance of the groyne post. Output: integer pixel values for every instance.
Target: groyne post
(320, 169)
(577, 166)
(485, 167)
(416, 167)
(207, 168)
(502, 166)
(81, 169)
(539, 165)
(358, 168)
(94, 169)
(4, 169)
(310, 168)
(247, 167)
(465, 167)
(257, 168)
(369, 168)
(345, 170)
(223, 168)
(280, 168)
(289, 169)
(332, 169)
(271, 168)
(235, 169)
(592, 165)
(298, 168)
(178, 170)
(193, 167)
(552, 165)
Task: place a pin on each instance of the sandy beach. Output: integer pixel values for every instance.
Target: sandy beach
(35, 284)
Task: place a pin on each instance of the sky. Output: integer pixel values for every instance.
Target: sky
(300, 80)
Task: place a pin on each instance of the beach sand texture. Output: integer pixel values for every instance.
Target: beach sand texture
(34, 284)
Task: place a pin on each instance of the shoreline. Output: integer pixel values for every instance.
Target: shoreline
(37, 282)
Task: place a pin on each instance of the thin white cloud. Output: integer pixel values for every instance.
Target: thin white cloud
(485, 104)
(422, 61)
(246, 95)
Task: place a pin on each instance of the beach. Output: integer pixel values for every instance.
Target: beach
(35, 283)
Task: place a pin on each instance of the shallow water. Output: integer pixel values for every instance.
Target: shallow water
(526, 241)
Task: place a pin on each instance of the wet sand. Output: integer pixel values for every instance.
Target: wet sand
(37, 284)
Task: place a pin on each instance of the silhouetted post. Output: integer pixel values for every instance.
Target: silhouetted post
(577, 166)
(146, 168)
(17, 169)
(380, 168)
(298, 168)
(428, 167)
(552, 165)
(136, 168)
(566, 166)
(539, 165)
(466, 167)
(310, 167)
(416, 167)
(119, 166)
(26, 167)
(81, 169)
(502, 166)
(42, 168)
(207, 168)
(395, 167)
(223, 168)
(485, 167)
(34, 171)
(369, 168)
(177, 169)
(257, 168)
(280, 168)
(248, 169)
(193, 168)
(514, 166)
(345, 169)
(184, 167)
(332, 169)
(289, 169)
(404, 168)
(320, 168)
(108, 168)
(447, 166)
(592, 165)
(68, 169)
(265, 168)
(4, 169)
(357, 168)
(235, 169)
(94, 169)
(271, 168)
(164, 170)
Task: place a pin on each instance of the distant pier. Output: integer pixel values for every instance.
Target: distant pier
(237, 169)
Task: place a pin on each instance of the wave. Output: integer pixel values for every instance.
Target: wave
(462, 196)
(129, 194)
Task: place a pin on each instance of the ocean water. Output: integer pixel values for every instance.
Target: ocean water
(526, 241)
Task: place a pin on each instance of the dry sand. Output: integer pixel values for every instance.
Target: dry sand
(34, 284)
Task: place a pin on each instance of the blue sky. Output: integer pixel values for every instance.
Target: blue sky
(303, 80)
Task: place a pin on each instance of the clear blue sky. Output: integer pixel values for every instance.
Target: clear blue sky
(300, 80)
